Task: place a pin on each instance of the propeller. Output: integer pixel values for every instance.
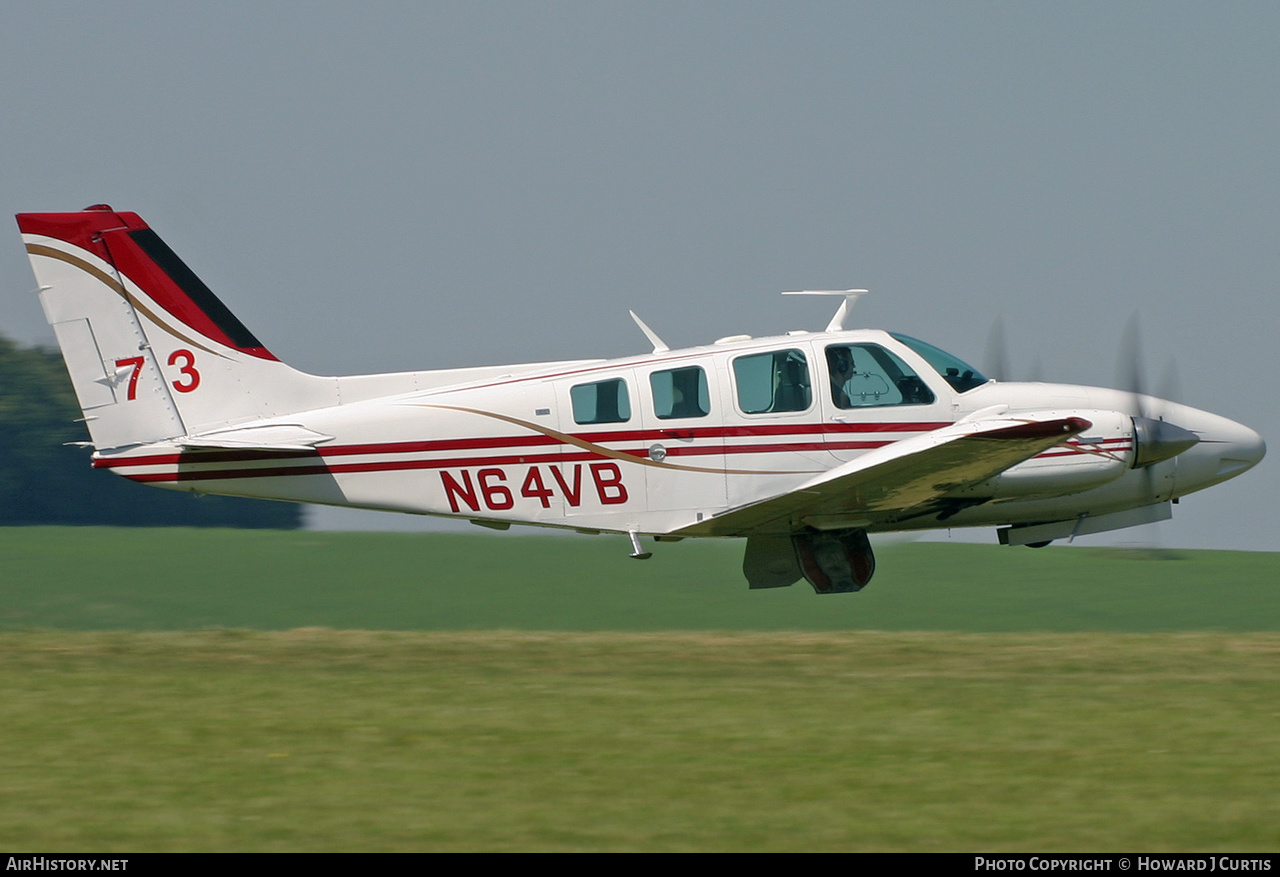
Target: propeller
(995, 361)
(1036, 374)
(1155, 439)
(1170, 383)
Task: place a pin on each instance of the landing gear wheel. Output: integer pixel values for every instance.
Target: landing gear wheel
(835, 562)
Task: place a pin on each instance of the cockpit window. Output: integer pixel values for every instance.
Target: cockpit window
(867, 375)
(959, 374)
(772, 382)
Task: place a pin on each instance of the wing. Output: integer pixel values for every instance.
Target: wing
(901, 480)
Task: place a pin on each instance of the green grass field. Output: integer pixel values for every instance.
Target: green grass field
(173, 579)
(222, 690)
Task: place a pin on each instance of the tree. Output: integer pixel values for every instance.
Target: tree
(45, 481)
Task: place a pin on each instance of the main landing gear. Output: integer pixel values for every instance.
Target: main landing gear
(833, 561)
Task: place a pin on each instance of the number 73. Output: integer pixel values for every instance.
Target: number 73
(184, 359)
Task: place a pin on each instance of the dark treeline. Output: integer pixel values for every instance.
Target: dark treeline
(43, 481)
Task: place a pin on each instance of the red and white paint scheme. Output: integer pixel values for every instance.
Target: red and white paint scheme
(803, 443)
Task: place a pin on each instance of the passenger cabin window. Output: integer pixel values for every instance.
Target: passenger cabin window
(680, 392)
(772, 382)
(601, 402)
(867, 375)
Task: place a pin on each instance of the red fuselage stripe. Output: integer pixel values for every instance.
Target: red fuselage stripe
(305, 464)
(460, 462)
(473, 444)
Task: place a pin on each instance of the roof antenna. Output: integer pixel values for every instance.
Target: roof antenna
(851, 296)
(659, 346)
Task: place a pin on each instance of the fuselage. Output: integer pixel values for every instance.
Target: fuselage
(658, 443)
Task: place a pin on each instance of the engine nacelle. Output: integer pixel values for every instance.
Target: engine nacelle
(1101, 454)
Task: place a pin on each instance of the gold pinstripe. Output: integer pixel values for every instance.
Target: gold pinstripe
(616, 455)
(118, 288)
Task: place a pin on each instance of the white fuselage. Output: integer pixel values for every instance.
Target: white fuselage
(622, 445)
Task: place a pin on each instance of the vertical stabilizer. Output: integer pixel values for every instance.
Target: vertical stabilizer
(153, 354)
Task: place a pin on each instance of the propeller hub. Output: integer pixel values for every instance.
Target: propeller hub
(1157, 440)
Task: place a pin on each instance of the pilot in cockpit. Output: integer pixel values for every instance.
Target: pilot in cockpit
(840, 365)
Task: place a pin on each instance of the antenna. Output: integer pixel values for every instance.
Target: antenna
(659, 346)
(851, 296)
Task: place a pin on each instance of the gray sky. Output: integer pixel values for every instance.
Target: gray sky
(389, 186)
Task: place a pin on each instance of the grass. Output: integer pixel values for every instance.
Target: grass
(324, 740)
(174, 579)
(220, 690)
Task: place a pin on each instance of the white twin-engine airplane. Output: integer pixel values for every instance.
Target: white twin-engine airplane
(802, 443)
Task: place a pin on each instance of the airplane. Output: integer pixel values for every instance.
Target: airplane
(803, 444)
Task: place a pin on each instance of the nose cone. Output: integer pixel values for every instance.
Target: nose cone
(1226, 449)
(1243, 450)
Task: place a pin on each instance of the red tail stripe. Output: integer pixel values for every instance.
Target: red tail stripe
(118, 238)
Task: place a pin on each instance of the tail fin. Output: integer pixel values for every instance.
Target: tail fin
(152, 353)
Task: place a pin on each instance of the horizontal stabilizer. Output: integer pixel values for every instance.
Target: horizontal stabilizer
(274, 437)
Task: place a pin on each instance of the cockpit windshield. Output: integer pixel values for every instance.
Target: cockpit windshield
(959, 374)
